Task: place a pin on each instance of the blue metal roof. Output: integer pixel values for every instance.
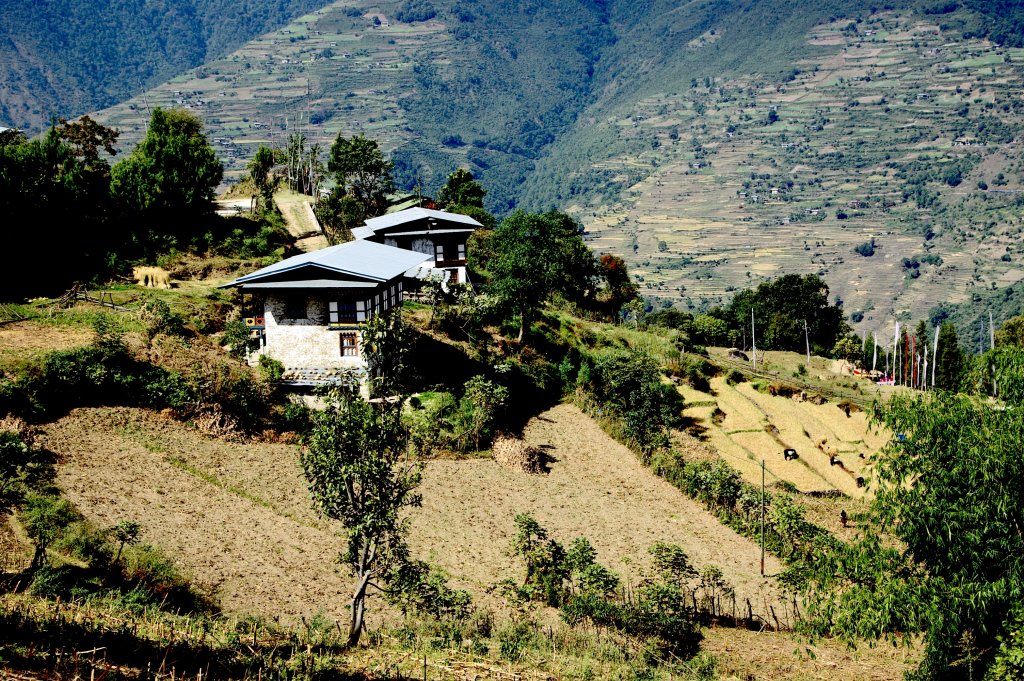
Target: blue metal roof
(359, 259)
(412, 214)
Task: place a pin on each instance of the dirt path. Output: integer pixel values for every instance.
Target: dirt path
(300, 220)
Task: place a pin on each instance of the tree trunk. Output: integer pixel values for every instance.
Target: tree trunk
(358, 606)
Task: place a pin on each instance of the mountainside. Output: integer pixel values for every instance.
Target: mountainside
(711, 143)
(67, 57)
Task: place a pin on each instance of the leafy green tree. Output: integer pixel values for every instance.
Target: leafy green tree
(536, 256)
(387, 341)
(848, 348)
(355, 463)
(125, 533)
(64, 189)
(22, 467)
(461, 189)
(361, 172)
(45, 517)
(546, 568)
(87, 139)
(1011, 332)
(617, 290)
(781, 306)
(481, 215)
(339, 214)
(172, 173)
(948, 489)
(628, 384)
(486, 400)
(708, 330)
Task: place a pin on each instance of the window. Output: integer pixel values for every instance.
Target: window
(295, 307)
(349, 345)
(438, 252)
(341, 312)
(462, 251)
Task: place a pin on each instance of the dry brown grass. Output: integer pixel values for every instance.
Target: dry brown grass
(27, 341)
(237, 518)
(772, 656)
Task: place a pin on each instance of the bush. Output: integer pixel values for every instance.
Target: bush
(735, 377)
(147, 570)
(295, 416)
(271, 370)
(514, 639)
(238, 338)
(867, 249)
(628, 384)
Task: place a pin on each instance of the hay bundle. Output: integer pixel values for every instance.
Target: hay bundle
(212, 421)
(152, 277)
(513, 453)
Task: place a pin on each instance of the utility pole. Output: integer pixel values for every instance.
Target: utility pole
(753, 341)
(807, 340)
(762, 517)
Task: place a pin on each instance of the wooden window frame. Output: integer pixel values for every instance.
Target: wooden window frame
(348, 344)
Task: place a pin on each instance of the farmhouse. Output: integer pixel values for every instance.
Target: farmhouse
(434, 233)
(308, 311)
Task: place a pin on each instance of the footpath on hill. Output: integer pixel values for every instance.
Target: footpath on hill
(300, 220)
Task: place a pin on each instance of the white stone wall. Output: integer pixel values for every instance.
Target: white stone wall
(303, 343)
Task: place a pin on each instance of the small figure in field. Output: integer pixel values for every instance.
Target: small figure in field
(843, 518)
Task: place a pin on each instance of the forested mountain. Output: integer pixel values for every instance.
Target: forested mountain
(714, 144)
(67, 57)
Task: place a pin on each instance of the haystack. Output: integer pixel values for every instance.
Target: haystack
(515, 454)
(152, 277)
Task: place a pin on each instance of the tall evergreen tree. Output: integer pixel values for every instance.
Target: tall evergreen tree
(170, 178)
(950, 362)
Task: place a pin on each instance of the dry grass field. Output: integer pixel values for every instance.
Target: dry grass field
(235, 516)
(238, 518)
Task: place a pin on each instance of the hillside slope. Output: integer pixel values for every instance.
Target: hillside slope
(712, 144)
(65, 58)
(238, 518)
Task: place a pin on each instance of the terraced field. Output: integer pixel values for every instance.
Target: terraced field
(746, 426)
(896, 135)
(324, 73)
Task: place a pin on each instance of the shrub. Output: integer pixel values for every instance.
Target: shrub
(271, 370)
(159, 318)
(514, 639)
(628, 384)
(867, 249)
(734, 377)
(238, 338)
